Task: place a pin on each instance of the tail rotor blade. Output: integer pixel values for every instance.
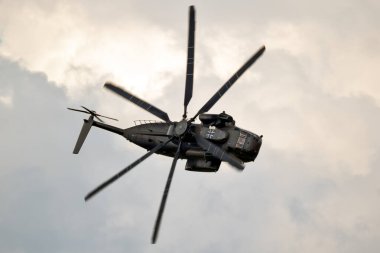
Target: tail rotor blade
(72, 109)
(93, 113)
(139, 102)
(122, 172)
(229, 83)
(89, 111)
(219, 153)
(164, 196)
(96, 116)
(190, 60)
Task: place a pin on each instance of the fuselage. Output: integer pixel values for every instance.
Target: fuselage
(219, 129)
(234, 140)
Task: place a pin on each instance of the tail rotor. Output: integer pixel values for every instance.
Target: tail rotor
(87, 124)
(92, 112)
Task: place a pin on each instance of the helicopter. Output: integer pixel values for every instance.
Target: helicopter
(204, 145)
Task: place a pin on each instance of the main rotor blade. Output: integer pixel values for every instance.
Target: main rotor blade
(164, 197)
(190, 60)
(229, 83)
(218, 152)
(152, 134)
(122, 172)
(139, 102)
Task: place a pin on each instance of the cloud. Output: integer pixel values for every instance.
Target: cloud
(6, 100)
(42, 182)
(75, 50)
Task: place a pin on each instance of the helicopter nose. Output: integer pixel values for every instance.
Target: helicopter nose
(257, 146)
(259, 141)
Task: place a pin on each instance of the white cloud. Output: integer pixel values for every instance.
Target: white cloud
(343, 65)
(6, 100)
(64, 41)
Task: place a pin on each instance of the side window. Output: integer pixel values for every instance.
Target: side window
(241, 140)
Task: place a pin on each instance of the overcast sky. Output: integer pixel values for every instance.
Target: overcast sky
(314, 95)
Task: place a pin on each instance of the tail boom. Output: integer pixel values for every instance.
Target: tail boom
(88, 123)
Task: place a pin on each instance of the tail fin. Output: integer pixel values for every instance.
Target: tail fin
(83, 134)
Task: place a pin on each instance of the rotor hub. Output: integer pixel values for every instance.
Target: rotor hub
(180, 128)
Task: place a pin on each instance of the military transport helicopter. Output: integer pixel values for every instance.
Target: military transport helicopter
(203, 145)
